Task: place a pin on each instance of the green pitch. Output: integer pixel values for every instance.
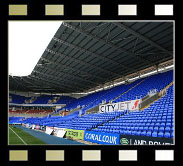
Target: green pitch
(18, 137)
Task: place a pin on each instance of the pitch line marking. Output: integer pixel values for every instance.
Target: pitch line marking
(18, 136)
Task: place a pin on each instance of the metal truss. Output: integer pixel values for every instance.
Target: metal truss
(77, 60)
(44, 81)
(65, 85)
(70, 68)
(66, 73)
(124, 27)
(53, 77)
(91, 53)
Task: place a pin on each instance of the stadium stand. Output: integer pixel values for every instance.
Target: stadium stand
(95, 99)
(17, 99)
(43, 99)
(15, 120)
(64, 100)
(29, 113)
(156, 120)
(138, 88)
(157, 81)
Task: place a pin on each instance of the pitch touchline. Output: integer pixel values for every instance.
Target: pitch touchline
(18, 136)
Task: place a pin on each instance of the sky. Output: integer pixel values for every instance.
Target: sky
(27, 40)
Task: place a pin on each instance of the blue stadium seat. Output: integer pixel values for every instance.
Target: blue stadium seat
(167, 129)
(143, 133)
(161, 129)
(160, 134)
(154, 134)
(151, 128)
(167, 135)
(149, 133)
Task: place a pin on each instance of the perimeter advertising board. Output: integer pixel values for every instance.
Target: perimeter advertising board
(27, 125)
(144, 140)
(121, 106)
(102, 138)
(33, 126)
(75, 134)
(49, 130)
(59, 132)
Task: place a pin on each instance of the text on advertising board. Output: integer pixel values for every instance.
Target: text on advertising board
(127, 105)
(102, 138)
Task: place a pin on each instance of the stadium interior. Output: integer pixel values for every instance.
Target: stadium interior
(109, 83)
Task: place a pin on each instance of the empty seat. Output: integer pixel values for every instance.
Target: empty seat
(156, 128)
(154, 134)
(141, 128)
(149, 133)
(167, 129)
(167, 135)
(134, 132)
(160, 134)
(172, 135)
(151, 128)
(138, 133)
(143, 133)
(146, 128)
(161, 129)
(162, 125)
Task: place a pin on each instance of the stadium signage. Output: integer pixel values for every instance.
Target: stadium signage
(49, 130)
(59, 132)
(33, 126)
(121, 106)
(144, 140)
(75, 134)
(102, 138)
(124, 141)
(30, 126)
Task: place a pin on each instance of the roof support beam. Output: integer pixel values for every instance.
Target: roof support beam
(25, 80)
(20, 82)
(53, 77)
(53, 82)
(107, 43)
(36, 83)
(49, 83)
(65, 73)
(70, 68)
(92, 54)
(124, 27)
(79, 61)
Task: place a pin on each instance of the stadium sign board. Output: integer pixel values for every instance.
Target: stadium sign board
(33, 126)
(102, 138)
(59, 132)
(144, 140)
(49, 130)
(121, 106)
(76, 134)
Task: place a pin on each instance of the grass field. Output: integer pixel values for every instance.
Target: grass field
(18, 137)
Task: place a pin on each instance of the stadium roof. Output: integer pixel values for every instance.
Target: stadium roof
(85, 55)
